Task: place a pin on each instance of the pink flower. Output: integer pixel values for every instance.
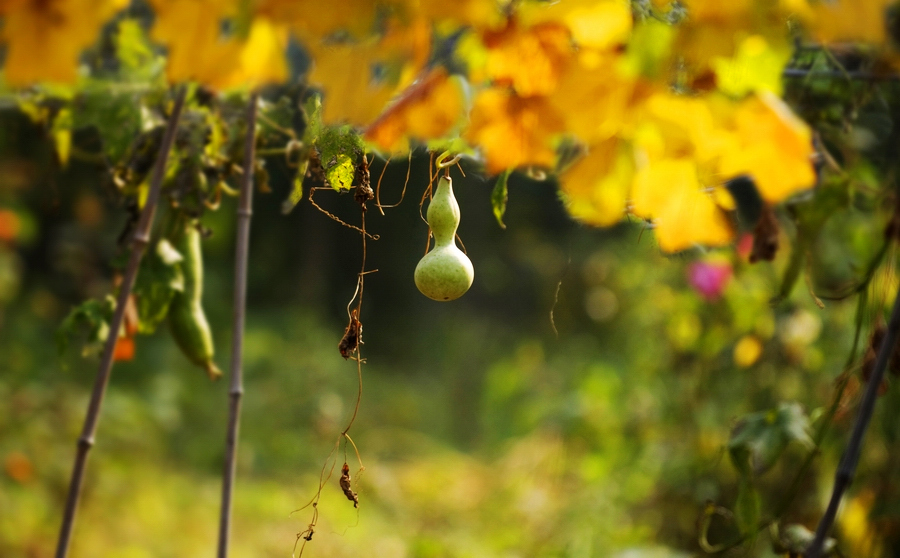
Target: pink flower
(709, 279)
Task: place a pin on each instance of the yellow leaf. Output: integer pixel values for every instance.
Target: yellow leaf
(649, 50)
(774, 147)
(262, 57)
(679, 126)
(351, 94)
(62, 139)
(45, 38)
(716, 11)
(528, 59)
(513, 131)
(62, 135)
(756, 66)
(593, 24)
(359, 78)
(669, 192)
(313, 20)
(712, 42)
(191, 30)
(850, 20)
(428, 109)
(596, 187)
(475, 13)
(593, 96)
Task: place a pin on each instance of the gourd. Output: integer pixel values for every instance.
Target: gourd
(444, 273)
(187, 320)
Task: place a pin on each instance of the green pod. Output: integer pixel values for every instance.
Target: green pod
(188, 322)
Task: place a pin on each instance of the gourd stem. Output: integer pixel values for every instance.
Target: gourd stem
(847, 466)
(236, 391)
(138, 246)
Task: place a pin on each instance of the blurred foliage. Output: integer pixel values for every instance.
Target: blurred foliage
(482, 432)
(588, 397)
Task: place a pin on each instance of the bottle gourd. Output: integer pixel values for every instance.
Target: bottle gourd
(187, 320)
(445, 273)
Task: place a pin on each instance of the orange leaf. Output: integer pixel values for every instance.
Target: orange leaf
(190, 29)
(475, 13)
(529, 60)
(513, 131)
(312, 20)
(10, 225)
(593, 96)
(18, 467)
(602, 24)
(359, 78)
(45, 38)
(845, 20)
(428, 109)
(124, 349)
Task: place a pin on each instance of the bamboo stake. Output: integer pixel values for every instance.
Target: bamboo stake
(245, 210)
(138, 246)
(847, 467)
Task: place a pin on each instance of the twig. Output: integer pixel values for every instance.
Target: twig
(847, 466)
(138, 246)
(245, 210)
(335, 218)
(802, 472)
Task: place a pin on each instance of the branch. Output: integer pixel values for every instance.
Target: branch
(837, 74)
(849, 460)
(245, 210)
(138, 246)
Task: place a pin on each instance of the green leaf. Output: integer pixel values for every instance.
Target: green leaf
(759, 439)
(116, 117)
(297, 190)
(61, 131)
(338, 148)
(810, 216)
(649, 48)
(91, 317)
(746, 508)
(277, 117)
(339, 172)
(312, 110)
(159, 278)
(134, 50)
(499, 197)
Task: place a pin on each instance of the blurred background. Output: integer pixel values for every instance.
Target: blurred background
(576, 402)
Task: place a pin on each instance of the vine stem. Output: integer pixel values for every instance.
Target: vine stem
(847, 466)
(236, 391)
(138, 247)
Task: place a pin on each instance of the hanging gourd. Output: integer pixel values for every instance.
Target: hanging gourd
(444, 273)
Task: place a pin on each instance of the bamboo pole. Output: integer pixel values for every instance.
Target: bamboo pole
(138, 246)
(847, 467)
(236, 391)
